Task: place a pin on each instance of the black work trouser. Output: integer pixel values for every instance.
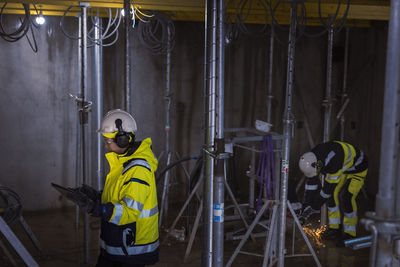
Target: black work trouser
(104, 262)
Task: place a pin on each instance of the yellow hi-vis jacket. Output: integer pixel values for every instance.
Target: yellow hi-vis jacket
(339, 160)
(131, 234)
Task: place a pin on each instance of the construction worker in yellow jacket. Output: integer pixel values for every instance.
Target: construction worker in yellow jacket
(344, 168)
(128, 207)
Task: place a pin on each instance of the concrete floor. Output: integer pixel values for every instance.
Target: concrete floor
(63, 246)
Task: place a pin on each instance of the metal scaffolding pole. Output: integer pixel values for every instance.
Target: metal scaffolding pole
(164, 197)
(98, 92)
(78, 161)
(219, 194)
(270, 75)
(327, 103)
(344, 88)
(84, 122)
(210, 95)
(128, 102)
(386, 220)
(288, 124)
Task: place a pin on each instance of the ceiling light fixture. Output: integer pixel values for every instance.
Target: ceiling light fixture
(40, 20)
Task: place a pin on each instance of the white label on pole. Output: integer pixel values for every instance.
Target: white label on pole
(219, 212)
(285, 166)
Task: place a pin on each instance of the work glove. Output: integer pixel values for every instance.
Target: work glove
(306, 214)
(81, 199)
(90, 192)
(96, 208)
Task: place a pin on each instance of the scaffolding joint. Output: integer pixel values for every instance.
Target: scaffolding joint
(82, 105)
(84, 4)
(387, 226)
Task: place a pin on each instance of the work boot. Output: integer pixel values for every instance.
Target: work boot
(331, 234)
(344, 237)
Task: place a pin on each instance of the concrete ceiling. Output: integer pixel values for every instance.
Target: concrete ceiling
(360, 13)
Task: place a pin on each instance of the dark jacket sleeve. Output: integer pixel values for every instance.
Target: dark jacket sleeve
(311, 190)
(323, 195)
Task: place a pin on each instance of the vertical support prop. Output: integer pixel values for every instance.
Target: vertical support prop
(270, 75)
(328, 107)
(210, 95)
(98, 92)
(288, 124)
(219, 176)
(386, 197)
(84, 123)
(128, 101)
(344, 87)
(164, 199)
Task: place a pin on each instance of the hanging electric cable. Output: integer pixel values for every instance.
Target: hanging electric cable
(275, 24)
(112, 23)
(242, 11)
(153, 34)
(328, 22)
(110, 30)
(25, 25)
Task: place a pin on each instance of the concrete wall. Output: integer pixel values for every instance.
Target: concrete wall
(39, 121)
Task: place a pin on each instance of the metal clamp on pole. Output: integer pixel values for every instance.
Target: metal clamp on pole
(383, 227)
(84, 107)
(211, 154)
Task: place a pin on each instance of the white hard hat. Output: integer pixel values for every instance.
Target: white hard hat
(108, 124)
(308, 164)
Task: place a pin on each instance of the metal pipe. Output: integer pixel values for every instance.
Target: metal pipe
(248, 232)
(168, 92)
(310, 248)
(218, 224)
(128, 102)
(252, 176)
(220, 114)
(78, 136)
(270, 75)
(328, 108)
(288, 124)
(219, 176)
(328, 101)
(98, 85)
(361, 245)
(210, 95)
(267, 251)
(344, 88)
(358, 240)
(374, 244)
(385, 199)
(164, 199)
(84, 124)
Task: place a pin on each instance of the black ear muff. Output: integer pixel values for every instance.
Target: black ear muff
(317, 164)
(122, 138)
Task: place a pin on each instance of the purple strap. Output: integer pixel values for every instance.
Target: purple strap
(265, 171)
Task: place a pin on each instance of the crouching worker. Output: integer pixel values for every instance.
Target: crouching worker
(344, 168)
(128, 206)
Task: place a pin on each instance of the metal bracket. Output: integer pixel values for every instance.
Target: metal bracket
(85, 106)
(84, 4)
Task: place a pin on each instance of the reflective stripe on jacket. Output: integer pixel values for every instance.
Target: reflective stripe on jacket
(132, 231)
(339, 159)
